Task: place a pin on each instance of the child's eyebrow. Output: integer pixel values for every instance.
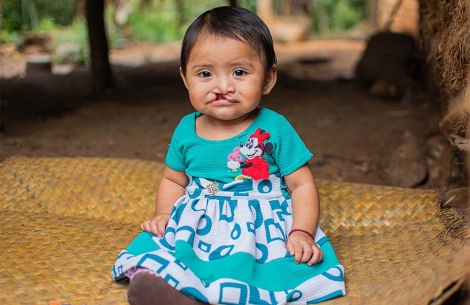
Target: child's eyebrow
(199, 66)
(241, 63)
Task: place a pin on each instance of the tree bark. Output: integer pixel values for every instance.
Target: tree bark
(98, 42)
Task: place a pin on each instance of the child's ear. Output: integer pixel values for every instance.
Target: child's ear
(183, 77)
(270, 80)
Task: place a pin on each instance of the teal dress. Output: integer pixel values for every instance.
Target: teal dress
(225, 240)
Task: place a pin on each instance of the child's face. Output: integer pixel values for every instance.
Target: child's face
(226, 78)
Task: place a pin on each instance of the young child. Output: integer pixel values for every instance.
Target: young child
(236, 219)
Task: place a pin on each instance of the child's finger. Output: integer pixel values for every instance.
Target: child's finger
(145, 226)
(152, 227)
(307, 252)
(317, 256)
(321, 256)
(298, 252)
(289, 247)
(161, 227)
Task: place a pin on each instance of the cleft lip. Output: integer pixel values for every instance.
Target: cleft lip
(222, 97)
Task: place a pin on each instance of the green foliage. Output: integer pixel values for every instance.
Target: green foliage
(248, 4)
(76, 33)
(12, 16)
(158, 23)
(333, 16)
(166, 20)
(345, 16)
(26, 15)
(150, 20)
(46, 24)
(62, 12)
(9, 37)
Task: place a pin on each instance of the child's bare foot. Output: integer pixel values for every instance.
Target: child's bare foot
(149, 289)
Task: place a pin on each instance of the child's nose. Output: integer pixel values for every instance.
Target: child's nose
(225, 85)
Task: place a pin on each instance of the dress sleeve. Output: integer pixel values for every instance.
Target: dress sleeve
(291, 152)
(175, 156)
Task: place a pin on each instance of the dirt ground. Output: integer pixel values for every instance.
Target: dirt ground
(351, 133)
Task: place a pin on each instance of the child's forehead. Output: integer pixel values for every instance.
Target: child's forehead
(212, 43)
(214, 38)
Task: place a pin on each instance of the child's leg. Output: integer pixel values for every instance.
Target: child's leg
(150, 289)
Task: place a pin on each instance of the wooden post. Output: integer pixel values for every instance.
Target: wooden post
(265, 11)
(100, 67)
(288, 5)
(372, 11)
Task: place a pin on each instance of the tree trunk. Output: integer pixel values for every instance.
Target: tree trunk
(233, 3)
(100, 67)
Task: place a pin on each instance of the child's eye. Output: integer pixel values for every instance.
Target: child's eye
(204, 74)
(239, 72)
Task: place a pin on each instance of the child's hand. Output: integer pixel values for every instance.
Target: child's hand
(303, 248)
(156, 225)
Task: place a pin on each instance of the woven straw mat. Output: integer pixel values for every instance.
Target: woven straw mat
(64, 221)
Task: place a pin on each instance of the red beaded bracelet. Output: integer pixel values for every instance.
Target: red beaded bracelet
(303, 231)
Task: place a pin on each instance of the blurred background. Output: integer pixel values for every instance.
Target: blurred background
(376, 88)
(158, 20)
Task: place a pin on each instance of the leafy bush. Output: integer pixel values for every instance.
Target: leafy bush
(333, 16)
(26, 15)
(155, 24)
(157, 21)
(166, 20)
(12, 16)
(76, 33)
(46, 24)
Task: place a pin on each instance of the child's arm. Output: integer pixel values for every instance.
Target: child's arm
(305, 213)
(170, 189)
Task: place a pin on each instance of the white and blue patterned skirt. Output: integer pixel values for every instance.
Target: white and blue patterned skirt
(225, 244)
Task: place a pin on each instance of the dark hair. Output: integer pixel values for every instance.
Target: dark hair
(231, 22)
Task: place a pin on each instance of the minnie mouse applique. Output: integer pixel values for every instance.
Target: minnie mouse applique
(254, 165)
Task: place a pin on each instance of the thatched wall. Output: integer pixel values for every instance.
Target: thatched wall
(445, 33)
(445, 40)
